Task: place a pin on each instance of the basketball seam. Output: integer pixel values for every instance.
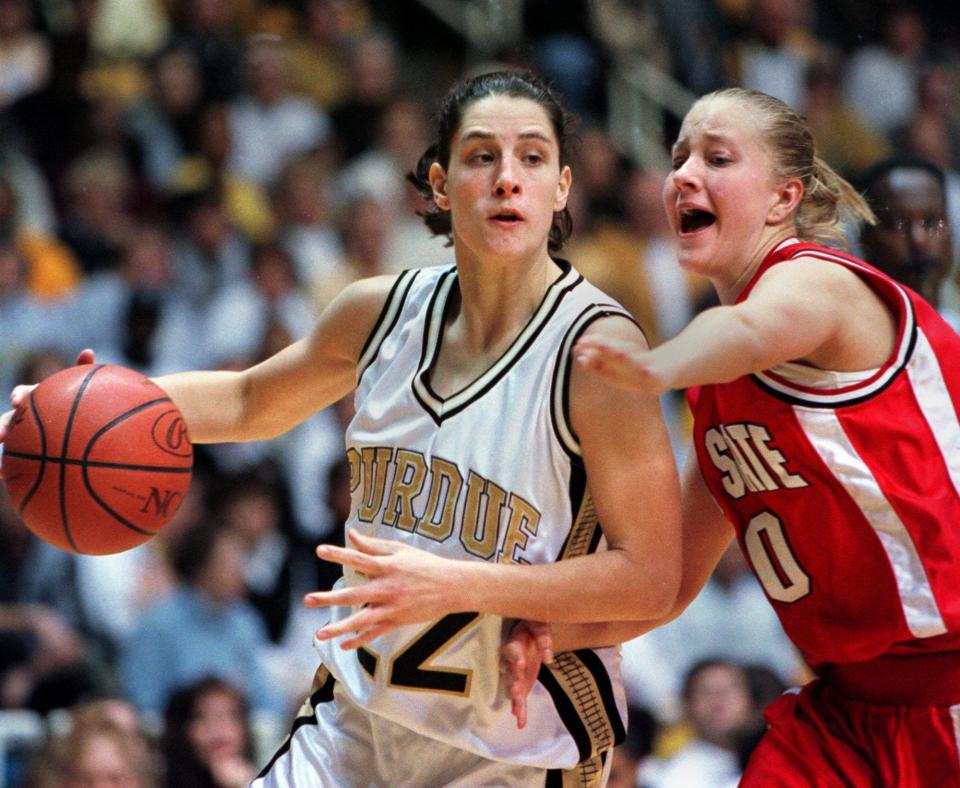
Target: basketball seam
(63, 455)
(84, 464)
(43, 448)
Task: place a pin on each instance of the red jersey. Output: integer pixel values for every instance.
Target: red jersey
(844, 488)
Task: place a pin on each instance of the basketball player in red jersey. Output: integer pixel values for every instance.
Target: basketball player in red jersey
(825, 400)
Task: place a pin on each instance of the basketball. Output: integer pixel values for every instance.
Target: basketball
(97, 459)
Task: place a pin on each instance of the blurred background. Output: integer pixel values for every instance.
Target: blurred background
(185, 183)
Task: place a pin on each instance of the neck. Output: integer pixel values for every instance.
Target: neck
(497, 300)
(730, 287)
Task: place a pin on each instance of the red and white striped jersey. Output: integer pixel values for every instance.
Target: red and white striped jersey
(845, 487)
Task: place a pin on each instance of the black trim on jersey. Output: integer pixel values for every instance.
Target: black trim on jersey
(554, 778)
(567, 712)
(513, 353)
(577, 491)
(322, 695)
(854, 399)
(595, 665)
(425, 343)
(563, 365)
(404, 280)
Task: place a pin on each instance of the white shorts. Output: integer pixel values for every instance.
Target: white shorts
(337, 744)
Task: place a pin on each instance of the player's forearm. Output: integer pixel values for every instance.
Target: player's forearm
(212, 403)
(606, 586)
(569, 637)
(716, 347)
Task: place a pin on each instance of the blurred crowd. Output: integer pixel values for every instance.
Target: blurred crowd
(185, 183)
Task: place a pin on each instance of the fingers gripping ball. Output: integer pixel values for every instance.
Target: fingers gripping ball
(98, 459)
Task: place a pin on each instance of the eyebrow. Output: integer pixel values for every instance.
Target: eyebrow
(480, 134)
(713, 136)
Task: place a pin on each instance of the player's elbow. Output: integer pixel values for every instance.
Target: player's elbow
(654, 595)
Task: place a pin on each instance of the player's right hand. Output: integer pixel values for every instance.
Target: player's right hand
(528, 646)
(20, 393)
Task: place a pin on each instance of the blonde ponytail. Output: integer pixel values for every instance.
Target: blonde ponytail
(828, 201)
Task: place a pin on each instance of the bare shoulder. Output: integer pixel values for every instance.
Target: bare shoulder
(804, 274)
(350, 317)
(362, 301)
(616, 328)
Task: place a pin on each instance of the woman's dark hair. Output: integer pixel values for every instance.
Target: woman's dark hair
(185, 768)
(516, 84)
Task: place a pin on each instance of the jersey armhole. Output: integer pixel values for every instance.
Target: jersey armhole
(389, 315)
(560, 385)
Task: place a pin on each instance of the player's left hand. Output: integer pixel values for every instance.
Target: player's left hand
(19, 396)
(404, 585)
(529, 645)
(624, 364)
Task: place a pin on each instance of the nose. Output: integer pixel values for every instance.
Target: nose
(686, 174)
(507, 181)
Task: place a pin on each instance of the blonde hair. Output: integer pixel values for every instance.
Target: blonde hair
(828, 199)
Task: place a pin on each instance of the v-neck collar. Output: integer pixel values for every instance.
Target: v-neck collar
(441, 408)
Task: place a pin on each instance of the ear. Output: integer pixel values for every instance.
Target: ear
(786, 199)
(438, 182)
(563, 188)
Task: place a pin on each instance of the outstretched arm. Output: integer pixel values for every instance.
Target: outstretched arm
(289, 387)
(806, 310)
(280, 392)
(633, 481)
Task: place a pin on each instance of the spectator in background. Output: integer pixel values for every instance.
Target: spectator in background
(95, 751)
(318, 68)
(719, 711)
(25, 58)
(602, 174)
(696, 31)
(241, 312)
(28, 324)
(132, 315)
(631, 759)
(373, 67)
(844, 141)
(306, 228)
(205, 627)
(365, 225)
(932, 134)
(208, 251)
(730, 618)
(163, 124)
(211, 29)
(269, 124)
(207, 740)
(97, 224)
(777, 50)
(912, 240)
(52, 269)
(889, 69)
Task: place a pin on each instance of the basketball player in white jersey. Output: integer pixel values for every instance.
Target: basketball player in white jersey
(487, 472)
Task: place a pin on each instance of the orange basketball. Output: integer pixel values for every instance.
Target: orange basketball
(97, 459)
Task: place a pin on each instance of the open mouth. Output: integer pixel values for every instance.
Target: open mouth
(694, 219)
(507, 217)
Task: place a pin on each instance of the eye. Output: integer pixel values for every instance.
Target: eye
(719, 159)
(532, 158)
(480, 157)
(678, 161)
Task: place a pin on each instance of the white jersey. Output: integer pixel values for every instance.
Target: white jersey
(491, 473)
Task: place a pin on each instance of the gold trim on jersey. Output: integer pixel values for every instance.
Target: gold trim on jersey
(580, 686)
(583, 532)
(586, 774)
